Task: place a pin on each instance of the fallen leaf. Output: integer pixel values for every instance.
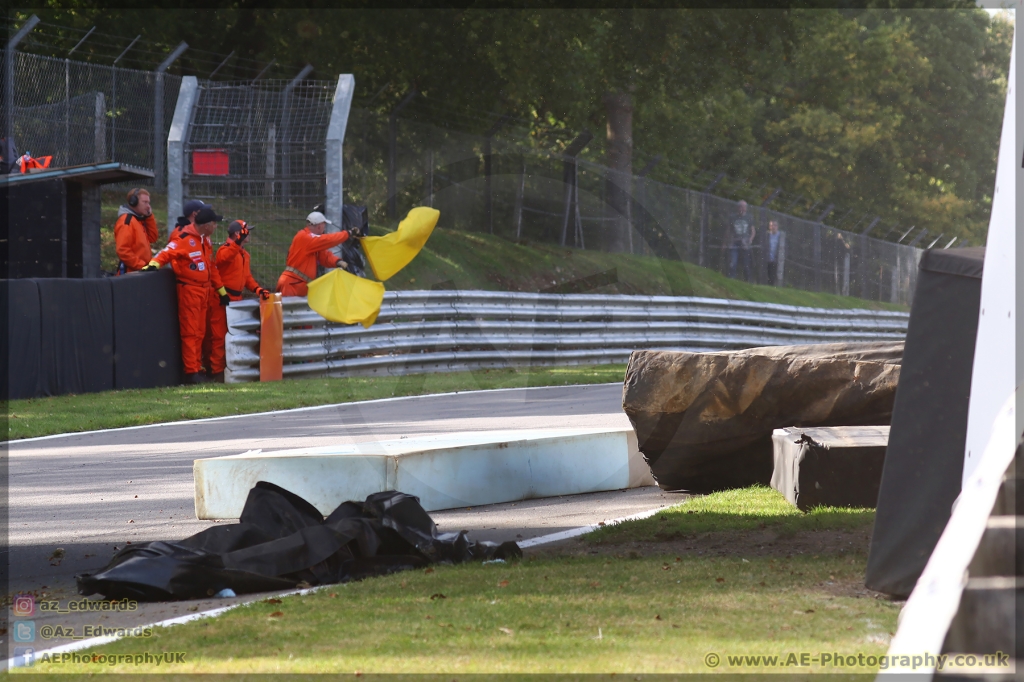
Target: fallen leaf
(657, 617)
(429, 617)
(600, 523)
(303, 585)
(665, 567)
(332, 595)
(136, 497)
(595, 584)
(276, 614)
(675, 626)
(506, 631)
(761, 583)
(719, 580)
(429, 570)
(786, 627)
(437, 595)
(503, 583)
(809, 611)
(192, 608)
(678, 559)
(271, 601)
(131, 521)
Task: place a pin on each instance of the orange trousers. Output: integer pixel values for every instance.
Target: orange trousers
(193, 301)
(216, 330)
(290, 285)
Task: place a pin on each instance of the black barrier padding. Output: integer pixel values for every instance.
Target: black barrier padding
(77, 344)
(925, 458)
(147, 342)
(21, 361)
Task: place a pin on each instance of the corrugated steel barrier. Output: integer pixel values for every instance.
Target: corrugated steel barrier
(443, 331)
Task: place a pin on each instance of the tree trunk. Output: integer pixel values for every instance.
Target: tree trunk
(618, 185)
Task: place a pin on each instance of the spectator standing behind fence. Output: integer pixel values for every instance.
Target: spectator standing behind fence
(191, 257)
(233, 266)
(774, 241)
(135, 231)
(309, 247)
(741, 233)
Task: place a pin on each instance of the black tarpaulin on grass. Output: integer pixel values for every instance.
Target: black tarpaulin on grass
(281, 542)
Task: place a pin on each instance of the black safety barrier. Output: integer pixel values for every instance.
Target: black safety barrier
(281, 542)
(21, 361)
(147, 342)
(77, 336)
(88, 335)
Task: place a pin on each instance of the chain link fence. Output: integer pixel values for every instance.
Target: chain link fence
(81, 113)
(511, 188)
(258, 152)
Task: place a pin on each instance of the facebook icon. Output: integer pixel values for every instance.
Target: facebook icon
(24, 657)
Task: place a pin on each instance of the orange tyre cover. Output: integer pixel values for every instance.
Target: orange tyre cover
(271, 339)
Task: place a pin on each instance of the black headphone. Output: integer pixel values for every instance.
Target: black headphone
(133, 197)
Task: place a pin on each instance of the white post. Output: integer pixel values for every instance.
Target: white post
(188, 94)
(997, 370)
(335, 142)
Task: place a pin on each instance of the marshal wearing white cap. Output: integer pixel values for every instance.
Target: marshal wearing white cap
(310, 247)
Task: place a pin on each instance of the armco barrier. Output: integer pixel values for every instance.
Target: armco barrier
(440, 331)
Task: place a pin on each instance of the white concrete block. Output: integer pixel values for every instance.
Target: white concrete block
(444, 471)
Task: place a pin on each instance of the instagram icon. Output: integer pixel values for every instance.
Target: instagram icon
(24, 605)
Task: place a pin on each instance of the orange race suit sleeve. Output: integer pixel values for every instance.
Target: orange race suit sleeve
(132, 240)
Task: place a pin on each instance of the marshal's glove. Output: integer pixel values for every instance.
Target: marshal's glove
(263, 293)
(224, 298)
(242, 234)
(152, 265)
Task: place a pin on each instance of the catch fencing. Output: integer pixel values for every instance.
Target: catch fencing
(512, 187)
(80, 113)
(447, 331)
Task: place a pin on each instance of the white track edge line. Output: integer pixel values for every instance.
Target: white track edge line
(179, 620)
(73, 434)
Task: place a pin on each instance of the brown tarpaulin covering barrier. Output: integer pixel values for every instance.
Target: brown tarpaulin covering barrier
(704, 421)
(925, 458)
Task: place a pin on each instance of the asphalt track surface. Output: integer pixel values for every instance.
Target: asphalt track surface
(87, 494)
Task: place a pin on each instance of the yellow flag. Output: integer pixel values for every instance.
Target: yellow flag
(391, 253)
(340, 296)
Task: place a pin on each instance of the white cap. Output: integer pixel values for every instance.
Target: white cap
(316, 217)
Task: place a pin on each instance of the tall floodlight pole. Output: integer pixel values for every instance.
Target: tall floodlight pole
(159, 141)
(9, 81)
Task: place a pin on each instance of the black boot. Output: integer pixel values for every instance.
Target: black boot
(217, 378)
(195, 378)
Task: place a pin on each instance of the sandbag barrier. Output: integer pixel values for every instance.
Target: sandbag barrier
(444, 331)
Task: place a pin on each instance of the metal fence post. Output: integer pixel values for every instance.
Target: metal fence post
(286, 116)
(187, 95)
(9, 76)
(393, 154)
(570, 176)
(100, 129)
(488, 196)
(158, 116)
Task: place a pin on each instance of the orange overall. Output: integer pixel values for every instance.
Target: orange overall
(306, 251)
(233, 267)
(191, 257)
(133, 236)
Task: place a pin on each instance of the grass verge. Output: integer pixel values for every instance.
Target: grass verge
(111, 409)
(567, 611)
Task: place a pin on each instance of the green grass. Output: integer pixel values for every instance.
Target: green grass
(576, 613)
(111, 409)
(755, 508)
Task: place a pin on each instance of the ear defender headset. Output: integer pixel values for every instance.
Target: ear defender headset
(133, 197)
(242, 233)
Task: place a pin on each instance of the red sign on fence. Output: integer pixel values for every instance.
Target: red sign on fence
(209, 162)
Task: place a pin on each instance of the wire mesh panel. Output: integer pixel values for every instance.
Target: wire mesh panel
(79, 112)
(536, 195)
(273, 139)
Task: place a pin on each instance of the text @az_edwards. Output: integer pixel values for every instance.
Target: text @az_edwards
(90, 631)
(806, 659)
